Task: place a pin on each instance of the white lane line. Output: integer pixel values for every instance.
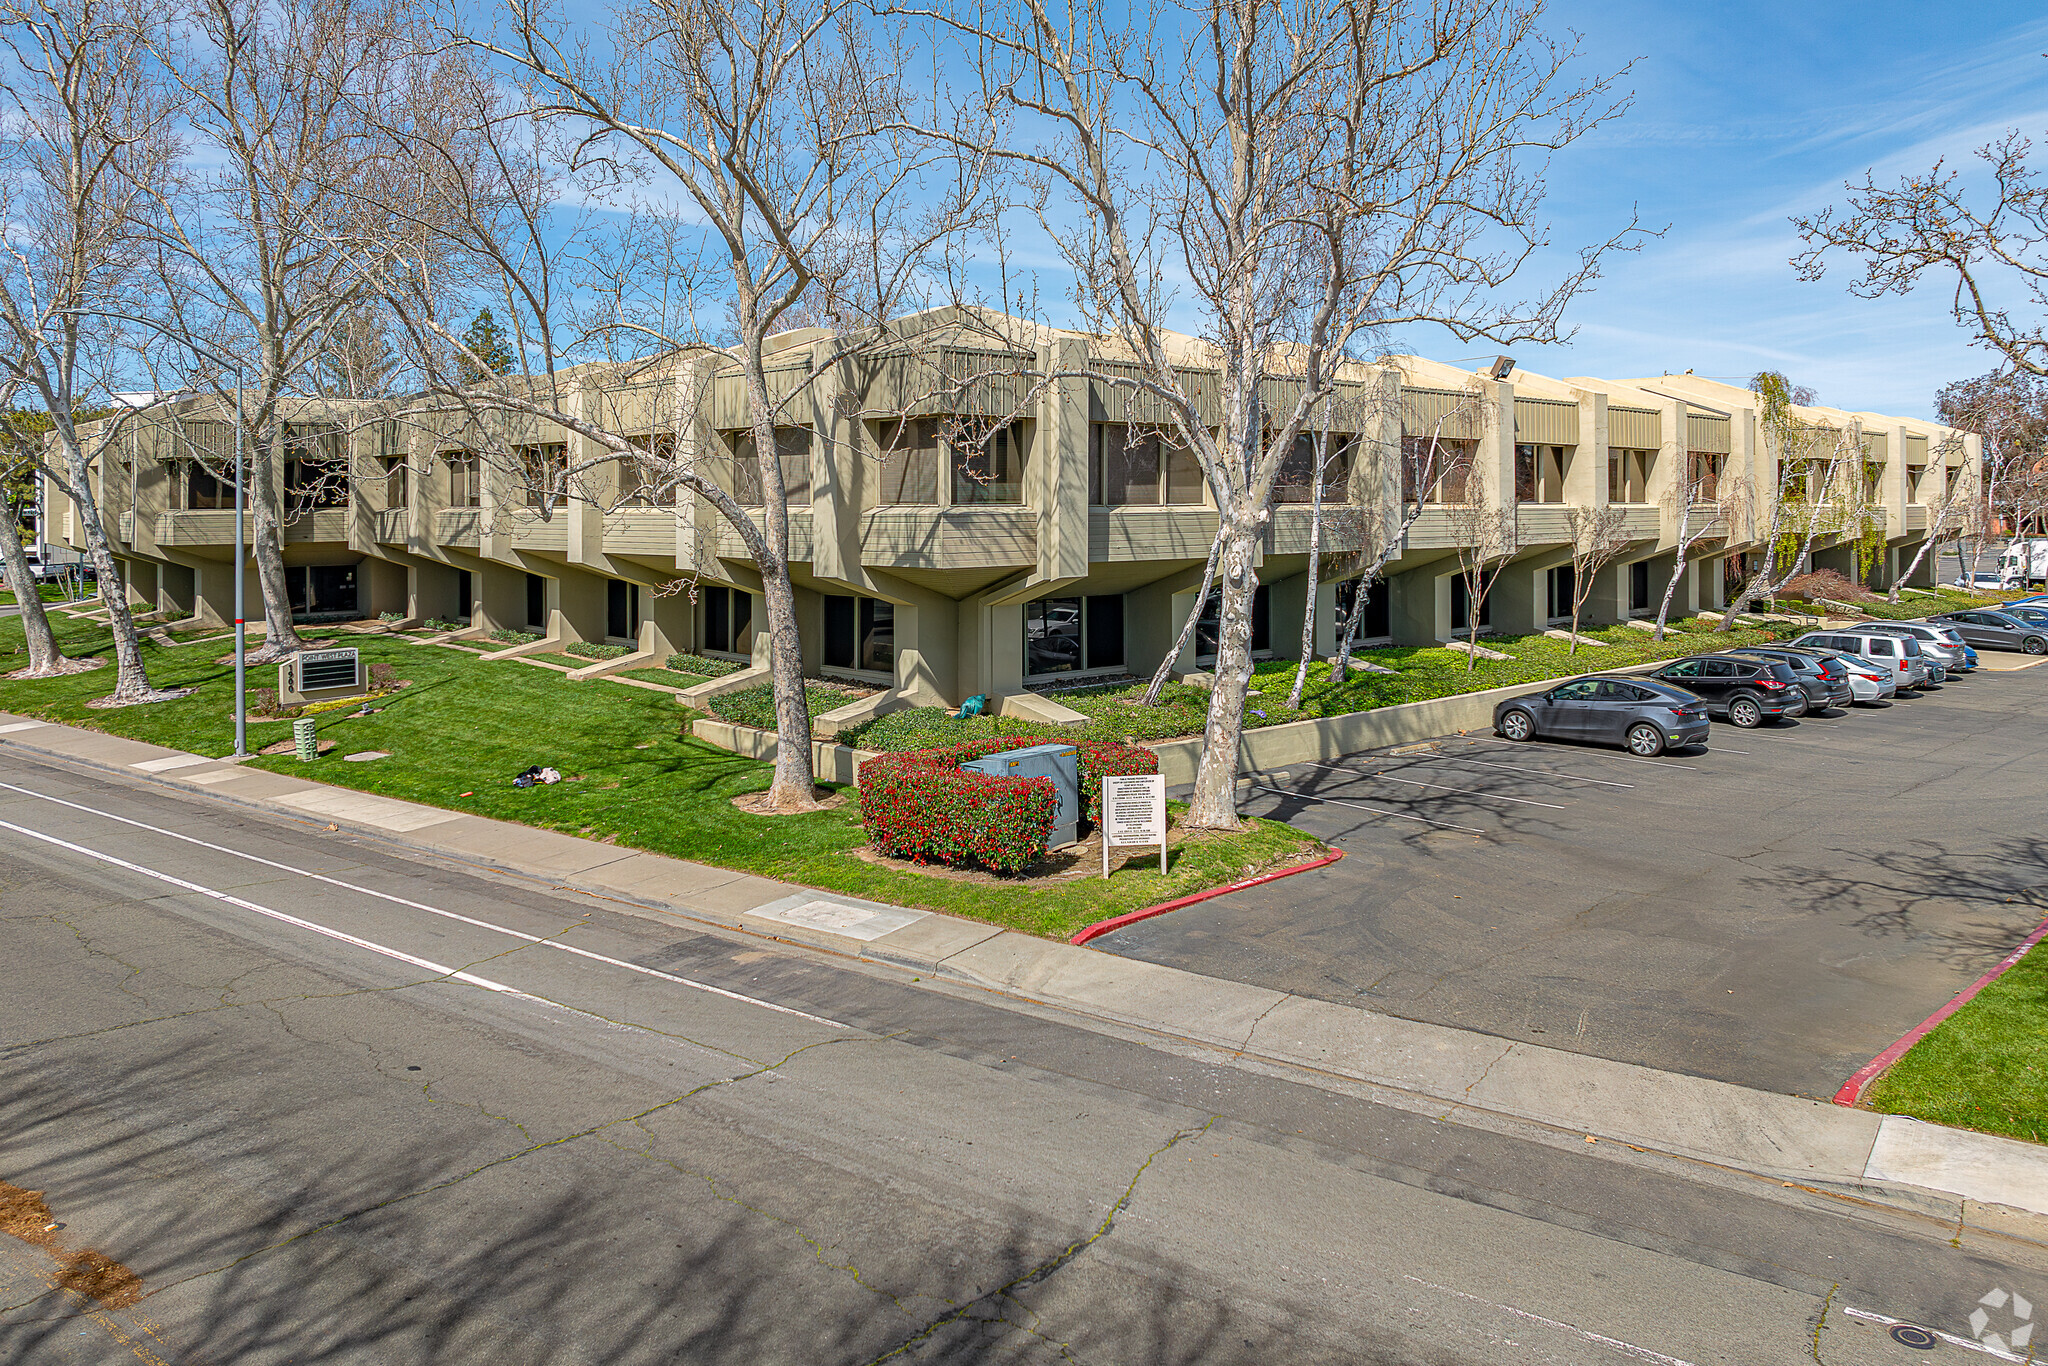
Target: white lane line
(432, 910)
(1462, 791)
(1950, 1338)
(1586, 1335)
(1358, 806)
(1620, 758)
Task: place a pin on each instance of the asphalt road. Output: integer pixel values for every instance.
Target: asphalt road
(1773, 912)
(332, 1103)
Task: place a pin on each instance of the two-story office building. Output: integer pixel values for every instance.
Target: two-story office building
(990, 509)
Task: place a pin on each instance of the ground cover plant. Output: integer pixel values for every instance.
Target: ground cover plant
(755, 706)
(1984, 1067)
(668, 678)
(464, 728)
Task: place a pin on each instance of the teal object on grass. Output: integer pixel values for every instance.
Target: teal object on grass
(973, 706)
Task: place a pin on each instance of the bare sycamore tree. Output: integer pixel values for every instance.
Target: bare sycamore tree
(84, 132)
(1707, 504)
(2008, 409)
(1486, 542)
(1599, 536)
(21, 450)
(1990, 249)
(258, 279)
(745, 189)
(1960, 498)
(1819, 464)
(1434, 468)
(1317, 173)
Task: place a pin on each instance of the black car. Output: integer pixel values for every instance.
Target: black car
(1641, 713)
(1744, 692)
(1825, 682)
(1997, 630)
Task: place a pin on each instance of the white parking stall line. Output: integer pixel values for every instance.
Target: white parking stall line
(1462, 791)
(533, 939)
(1360, 806)
(1590, 754)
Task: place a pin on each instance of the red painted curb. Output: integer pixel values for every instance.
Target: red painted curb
(1117, 922)
(1853, 1089)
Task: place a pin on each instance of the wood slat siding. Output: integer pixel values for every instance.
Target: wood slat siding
(1916, 449)
(1705, 432)
(389, 525)
(1544, 524)
(1642, 523)
(950, 538)
(322, 524)
(1916, 517)
(1117, 535)
(732, 547)
(726, 404)
(524, 529)
(457, 526)
(1110, 401)
(640, 531)
(1422, 409)
(127, 531)
(1635, 429)
(197, 528)
(213, 440)
(1433, 530)
(1546, 422)
(991, 383)
(1876, 445)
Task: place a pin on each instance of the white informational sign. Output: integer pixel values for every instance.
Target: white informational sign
(1134, 812)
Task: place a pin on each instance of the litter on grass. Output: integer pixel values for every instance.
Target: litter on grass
(535, 776)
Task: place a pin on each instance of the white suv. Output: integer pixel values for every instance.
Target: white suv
(1897, 655)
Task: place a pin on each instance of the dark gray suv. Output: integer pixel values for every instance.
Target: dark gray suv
(1825, 683)
(1641, 713)
(1747, 692)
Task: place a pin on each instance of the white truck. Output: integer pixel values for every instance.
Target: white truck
(2024, 563)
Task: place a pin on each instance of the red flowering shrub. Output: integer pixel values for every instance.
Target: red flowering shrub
(917, 804)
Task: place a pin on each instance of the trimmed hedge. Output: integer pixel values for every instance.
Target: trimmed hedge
(929, 727)
(919, 805)
(516, 637)
(590, 650)
(701, 666)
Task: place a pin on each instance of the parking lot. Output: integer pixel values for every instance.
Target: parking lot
(1773, 911)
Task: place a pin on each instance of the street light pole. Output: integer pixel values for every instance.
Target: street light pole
(241, 625)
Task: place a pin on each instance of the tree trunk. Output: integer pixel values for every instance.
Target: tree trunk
(794, 786)
(1340, 666)
(1671, 589)
(1573, 649)
(1187, 629)
(266, 548)
(131, 678)
(1308, 615)
(1214, 804)
(44, 657)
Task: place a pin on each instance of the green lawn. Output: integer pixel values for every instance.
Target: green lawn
(668, 678)
(48, 592)
(1984, 1067)
(464, 728)
(1419, 675)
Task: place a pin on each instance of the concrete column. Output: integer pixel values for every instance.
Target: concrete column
(1666, 484)
(1056, 479)
(432, 591)
(1585, 482)
(1895, 486)
(1419, 603)
(1286, 603)
(387, 586)
(1326, 619)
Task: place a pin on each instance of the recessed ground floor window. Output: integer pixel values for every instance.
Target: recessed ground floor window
(860, 634)
(1639, 586)
(536, 602)
(1073, 635)
(727, 613)
(322, 590)
(1377, 621)
(621, 609)
(1461, 606)
(1559, 586)
(1209, 626)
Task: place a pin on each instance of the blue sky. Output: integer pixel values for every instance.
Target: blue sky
(1746, 113)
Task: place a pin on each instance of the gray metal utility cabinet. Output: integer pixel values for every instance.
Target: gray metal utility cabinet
(1061, 763)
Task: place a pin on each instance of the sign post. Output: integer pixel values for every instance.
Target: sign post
(1134, 812)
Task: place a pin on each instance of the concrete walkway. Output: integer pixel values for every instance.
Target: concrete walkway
(1785, 1137)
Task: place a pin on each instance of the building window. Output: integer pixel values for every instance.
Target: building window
(315, 469)
(397, 487)
(860, 634)
(544, 470)
(1628, 475)
(536, 602)
(792, 457)
(465, 484)
(1073, 635)
(321, 590)
(1435, 470)
(465, 594)
(205, 490)
(1639, 586)
(1539, 473)
(727, 614)
(643, 481)
(1209, 626)
(1706, 475)
(621, 609)
(1559, 585)
(910, 462)
(988, 465)
(1139, 467)
(1376, 622)
(1295, 482)
(1461, 606)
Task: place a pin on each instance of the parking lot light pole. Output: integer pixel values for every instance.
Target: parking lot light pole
(241, 624)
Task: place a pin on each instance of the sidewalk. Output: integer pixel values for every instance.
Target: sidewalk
(1780, 1136)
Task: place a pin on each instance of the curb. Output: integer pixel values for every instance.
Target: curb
(1853, 1089)
(1117, 922)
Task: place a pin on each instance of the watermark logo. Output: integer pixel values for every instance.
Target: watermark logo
(2003, 1321)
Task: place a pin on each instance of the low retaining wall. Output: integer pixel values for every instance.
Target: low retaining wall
(1332, 737)
(831, 763)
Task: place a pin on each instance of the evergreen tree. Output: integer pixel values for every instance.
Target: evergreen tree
(489, 343)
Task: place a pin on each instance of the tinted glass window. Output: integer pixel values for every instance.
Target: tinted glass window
(1580, 691)
(1684, 668)
(1719, 668)
(1881, 648)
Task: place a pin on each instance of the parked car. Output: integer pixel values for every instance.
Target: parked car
(1940, 641)
(1897, 657)
(1641, 713)
(1999, 630)
(2032, 613)
(1865, 682)
(1744, 692)
(1825, 683)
